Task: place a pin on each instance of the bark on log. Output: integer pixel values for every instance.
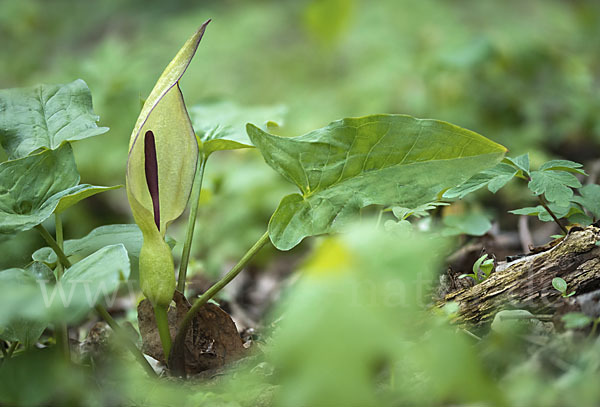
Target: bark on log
(527, 282)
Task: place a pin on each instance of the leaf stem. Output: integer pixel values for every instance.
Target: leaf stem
(61, 331)
(189, 234)
(545, 205)
(99, 308)
(11, 350)
(59, 241)
(379, 218)
(212, 291)
(122, 335)
(162, 323)
(54, 245)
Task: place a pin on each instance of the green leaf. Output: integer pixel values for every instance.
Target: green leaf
(473, 224)
(31, 187)
(26, 331)
(589, 199)
(86, 283)
(128, 234)
(222, 125)
(420, 211)
(576, 320)
(494, 178)
(356, 162)
(402, 228)
(46, 116)
(559, 284)
(554, 184)
(521, 162)
(79, 193)
(542, 214)
(477, 264)
(562, 165)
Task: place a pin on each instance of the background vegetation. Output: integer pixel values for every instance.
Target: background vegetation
(524, 74)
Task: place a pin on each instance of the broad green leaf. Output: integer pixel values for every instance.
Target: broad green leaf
(563, 165)
(494, 178)
(554, 184)
(79, 193)
(589, 199)
(356, 162)
(26, 331)
(222, 125)
(82, 286)
(31, 187)
(129, 235)
(474, 224)
(46, 116)
(521, 162)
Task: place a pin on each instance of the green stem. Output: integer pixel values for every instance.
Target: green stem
(54, 245)
(212, 291)
(162, 323)
(59, 242)
(379, 218)
(61, 331)
(11, 350)
(99, 308)
(545, 205)
(189, 235)
(2, 348)
(124, 338)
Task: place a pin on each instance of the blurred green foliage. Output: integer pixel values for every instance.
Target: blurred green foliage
(525, 74)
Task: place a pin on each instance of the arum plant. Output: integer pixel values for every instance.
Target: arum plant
(163, 157)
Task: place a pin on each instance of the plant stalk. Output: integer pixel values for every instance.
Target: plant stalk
(11, 350)
(189, 234)
(545, 205)
(122, 336)
(212, 291)
(54, 245)
(99, 308)
(162, 323)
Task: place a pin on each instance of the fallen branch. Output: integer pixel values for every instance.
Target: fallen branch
(527, 282)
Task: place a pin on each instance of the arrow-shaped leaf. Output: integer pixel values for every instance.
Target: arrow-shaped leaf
(45, 116)
(379, 159)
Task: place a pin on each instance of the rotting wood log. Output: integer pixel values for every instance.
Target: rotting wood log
(527, 282)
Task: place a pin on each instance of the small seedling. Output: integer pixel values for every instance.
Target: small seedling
(561, 286)
(482, 269)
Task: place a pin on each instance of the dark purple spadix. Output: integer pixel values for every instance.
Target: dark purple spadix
(151, 167)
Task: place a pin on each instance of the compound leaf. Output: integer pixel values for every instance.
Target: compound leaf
(521, 162)
(563, 165)
(494, 178)
(589, 199)
(355, 162)
(554, 184)
(46, 116)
